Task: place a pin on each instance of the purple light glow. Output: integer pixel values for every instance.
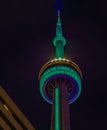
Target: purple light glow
(73, 96)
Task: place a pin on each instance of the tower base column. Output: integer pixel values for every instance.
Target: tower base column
(60, 119)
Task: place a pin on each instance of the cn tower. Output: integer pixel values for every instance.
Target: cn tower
(60, 82)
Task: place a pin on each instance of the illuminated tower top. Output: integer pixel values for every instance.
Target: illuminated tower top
(60, 82)
(58, 69)
(59, 41)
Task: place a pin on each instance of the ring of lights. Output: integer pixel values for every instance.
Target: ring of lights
(60, 61)
(67, 71)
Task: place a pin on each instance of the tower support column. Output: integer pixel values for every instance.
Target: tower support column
(60, 109)
(55, 118)
(65, 112)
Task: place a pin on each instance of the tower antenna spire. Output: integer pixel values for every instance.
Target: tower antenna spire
(59, 21)
(59, 41)
(60, 81)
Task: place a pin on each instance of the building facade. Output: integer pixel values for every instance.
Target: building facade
(11, 118)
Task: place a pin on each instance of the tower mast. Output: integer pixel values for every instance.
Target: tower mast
(60, 82)
(59, 41)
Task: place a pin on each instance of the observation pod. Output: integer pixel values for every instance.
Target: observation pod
(58, 73)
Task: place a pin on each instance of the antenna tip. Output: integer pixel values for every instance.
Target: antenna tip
(58, 12)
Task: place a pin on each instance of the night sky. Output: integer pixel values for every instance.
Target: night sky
(27, 28)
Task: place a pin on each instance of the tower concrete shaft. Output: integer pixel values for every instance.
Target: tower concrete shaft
(60, 83)
(60, 119)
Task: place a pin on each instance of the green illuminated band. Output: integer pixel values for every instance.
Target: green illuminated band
(55, 70)
(59, 49)
(57, 109)
(61, 38)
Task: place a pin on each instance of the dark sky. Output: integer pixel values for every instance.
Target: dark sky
(27, 28)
